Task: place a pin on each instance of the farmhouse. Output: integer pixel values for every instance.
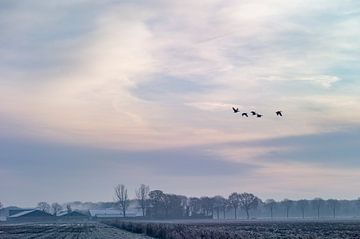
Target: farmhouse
(31, 215)
(13, 211)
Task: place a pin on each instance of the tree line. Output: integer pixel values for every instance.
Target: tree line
(54, 208)
(157, 204)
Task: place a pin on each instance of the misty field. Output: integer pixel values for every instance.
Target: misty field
(65, 231)
(185, 230)
(246, 230)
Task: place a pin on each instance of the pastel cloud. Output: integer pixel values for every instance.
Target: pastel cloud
(293, 167)
(230, 49)
(164, 75)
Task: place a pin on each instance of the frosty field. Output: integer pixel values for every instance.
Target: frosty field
(65, 231)
(185, 230)
(246, 230)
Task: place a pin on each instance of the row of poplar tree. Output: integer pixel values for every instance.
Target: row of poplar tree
(157, 204)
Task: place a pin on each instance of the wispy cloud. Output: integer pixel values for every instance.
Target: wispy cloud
(295, 167)
(164, 75)
(82, 78)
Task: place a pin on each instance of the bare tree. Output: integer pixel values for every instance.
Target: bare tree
(333, 204)
(56, 207)
(270, 203)
(121, 196)
(225, 206)
(287, 205)
(68, 208)
(184, 205)
(194, 205)
(219, 204)
(234, 201)
(207, 205)
(157, 199)
(317, 203)
(142, 194)
(167, 203)
(44, 206)
(302, 205)
(248, 201)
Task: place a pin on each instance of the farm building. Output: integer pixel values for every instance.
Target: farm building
(7, 211)
(31, 215)
(13, 211)
(73, 216)
(112, 213)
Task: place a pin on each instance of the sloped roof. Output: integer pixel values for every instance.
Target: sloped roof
(19, 214)
(16, 210)
(71, 214)
(31, 213)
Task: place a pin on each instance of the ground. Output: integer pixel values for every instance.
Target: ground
(260, 229)
(65, 231)
(187, 229)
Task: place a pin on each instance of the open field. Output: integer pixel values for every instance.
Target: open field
(196, 229)
(246, 230)
(64, 231)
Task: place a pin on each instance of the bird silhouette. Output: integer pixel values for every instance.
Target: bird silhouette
(278, 113)
(236, 110)
(244, 114)
(259, 115)
(253, 112)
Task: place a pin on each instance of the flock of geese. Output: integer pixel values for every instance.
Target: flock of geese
(236, 110)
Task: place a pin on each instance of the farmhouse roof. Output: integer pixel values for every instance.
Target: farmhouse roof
(16, 210)
(71, 214)
(110, 213)
(31, 213)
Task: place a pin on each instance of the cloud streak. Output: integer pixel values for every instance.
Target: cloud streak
(141, 77)
(214, 55)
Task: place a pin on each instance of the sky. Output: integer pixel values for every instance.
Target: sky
(99, 93)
